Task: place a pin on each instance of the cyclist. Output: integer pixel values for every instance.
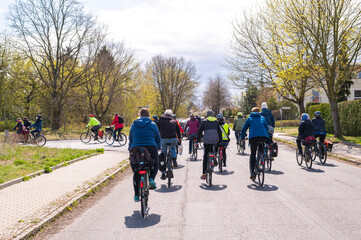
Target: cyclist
(38, 125)
(212, 135)
(20, 129)
(144, 133)
(27, 125)
(225, 136)
(199, 119)
(118, 125)
(305, 129)
(95, 124)
(174, 117)
(169, 133)
(320, 129)
(192, 126)
(155, 119)
(267, 114)
(258, 131)
(238, 124)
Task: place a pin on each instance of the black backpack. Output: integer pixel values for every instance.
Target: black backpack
(120, 119)
(140, 158)
(274, 148)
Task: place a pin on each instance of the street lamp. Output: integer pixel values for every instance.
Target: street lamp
(285, 108)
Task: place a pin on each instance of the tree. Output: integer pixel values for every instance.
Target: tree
(250, 98)
(216, 96)
(174, 79)
(61, 41)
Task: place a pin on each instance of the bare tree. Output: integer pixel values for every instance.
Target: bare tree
(60, 40)
(217, 95)
(114, 67)
(174, 79)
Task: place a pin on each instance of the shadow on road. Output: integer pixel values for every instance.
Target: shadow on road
(275, 172)
(244, 154)
(313, 170)
(193, 160)
(137, 221)
(179, 166)
(326, 164)
(219, 187)
(164, 188)
(264, 188)
(225, 172)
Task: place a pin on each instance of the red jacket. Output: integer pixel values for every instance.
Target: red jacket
(117, 123)
(180, 128)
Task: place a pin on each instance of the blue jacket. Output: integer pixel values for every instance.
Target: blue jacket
(38, 125)
(257, 125)
(267, 114)
(144, 132)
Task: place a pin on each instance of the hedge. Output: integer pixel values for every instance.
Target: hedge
(350, 116)
(288, 123)
(6, 125)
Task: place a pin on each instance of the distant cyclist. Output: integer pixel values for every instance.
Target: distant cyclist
(225, 136)
(118, 125)
(155, 119)
(144, 133)
(238, 124)
(258, 132)
(95, 124)
(305, 129)
(180, 127)
(212, 135)
(320, 128)
(38, 125)
(193, 126)
(267, 114)
(20, 129)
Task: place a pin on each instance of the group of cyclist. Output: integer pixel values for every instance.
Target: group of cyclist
(23, 127)
(117, 123)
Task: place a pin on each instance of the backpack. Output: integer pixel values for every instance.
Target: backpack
(162, 162)
(120, 119)
(274, 149)
(139, 158)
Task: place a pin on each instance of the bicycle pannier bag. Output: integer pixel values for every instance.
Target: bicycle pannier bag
(274, 150)
(271, 129)
(329, 145)
(162, 162)
(100, 133)
(138, 155)
(310, 140)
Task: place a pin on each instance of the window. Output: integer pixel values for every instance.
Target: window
(357, 94)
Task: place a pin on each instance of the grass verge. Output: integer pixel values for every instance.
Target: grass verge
(18, 161)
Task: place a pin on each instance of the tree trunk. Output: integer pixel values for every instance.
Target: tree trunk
(336, 118)
(56, 118)
(301, 106)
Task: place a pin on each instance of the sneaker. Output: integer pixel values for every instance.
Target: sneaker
(175, 164)
(163, 176)
(253, 176)
(203, 177)
(136, 198)
(152, 184)
(95, 139)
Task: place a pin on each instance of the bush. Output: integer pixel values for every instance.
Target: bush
(350, 117)
(47, 169)
(325, 110)
(6, 125)
(288, 123)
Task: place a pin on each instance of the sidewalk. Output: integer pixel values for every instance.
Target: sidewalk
(25, 205)
(344, 150)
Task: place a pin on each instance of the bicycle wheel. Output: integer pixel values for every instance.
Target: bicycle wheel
(101, 139)
(143, 201)
(194, 151)
(261, 168)
(85, 137)
(209, 173)
(220, 161)
(169, 169)
(109, 139)
(298, 158)
(314, 153)
(324, 154)
(122, 139)
(308, 157)
(239, 146)
(40, 140)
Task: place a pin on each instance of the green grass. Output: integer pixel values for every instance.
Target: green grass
(18, 161)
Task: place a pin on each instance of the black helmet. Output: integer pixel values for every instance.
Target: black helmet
(174, 116)
(38, 116)
(318, 114)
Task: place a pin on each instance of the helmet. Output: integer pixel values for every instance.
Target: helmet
(155, 117)
(174, 116)
(239, 114)
(91, 115)
(318, 113)
(219, 116)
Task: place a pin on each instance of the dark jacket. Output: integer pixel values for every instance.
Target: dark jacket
(168, 127)
(144, 132)
(27, 124)
(305, 129)
(19, 127)
(267, 114)
(38, 125)
(319, 124)
(212, 131)
(257, 125)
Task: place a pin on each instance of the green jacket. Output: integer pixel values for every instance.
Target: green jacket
(238, 123)
(93, 122)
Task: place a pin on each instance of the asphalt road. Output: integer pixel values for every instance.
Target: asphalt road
(294, 203)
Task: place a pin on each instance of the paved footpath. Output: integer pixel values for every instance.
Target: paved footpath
(26, 204)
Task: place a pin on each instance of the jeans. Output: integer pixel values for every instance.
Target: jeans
(191, 139)
(252, 158)
(116, 132)
(236, 133)
(207, 149)
(35, 131)
(173, 142)
(153, 173)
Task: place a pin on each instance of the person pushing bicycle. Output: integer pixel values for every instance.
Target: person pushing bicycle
(258, 132)
(212, 135)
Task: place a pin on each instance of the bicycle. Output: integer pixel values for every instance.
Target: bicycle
(260, 163)
(85, 137)
(211, 158)
(241, 144)
(268, 156)
(38, 140)
(194, 151)
(317, 152)
(307, 154)
(169, 166)
(121, 138)
(220, 158)
(144, 189)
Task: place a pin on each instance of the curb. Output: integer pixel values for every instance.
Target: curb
(72, 203)
(31, 175)
(334, 155)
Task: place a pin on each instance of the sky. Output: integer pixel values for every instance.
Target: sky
(198, 30)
